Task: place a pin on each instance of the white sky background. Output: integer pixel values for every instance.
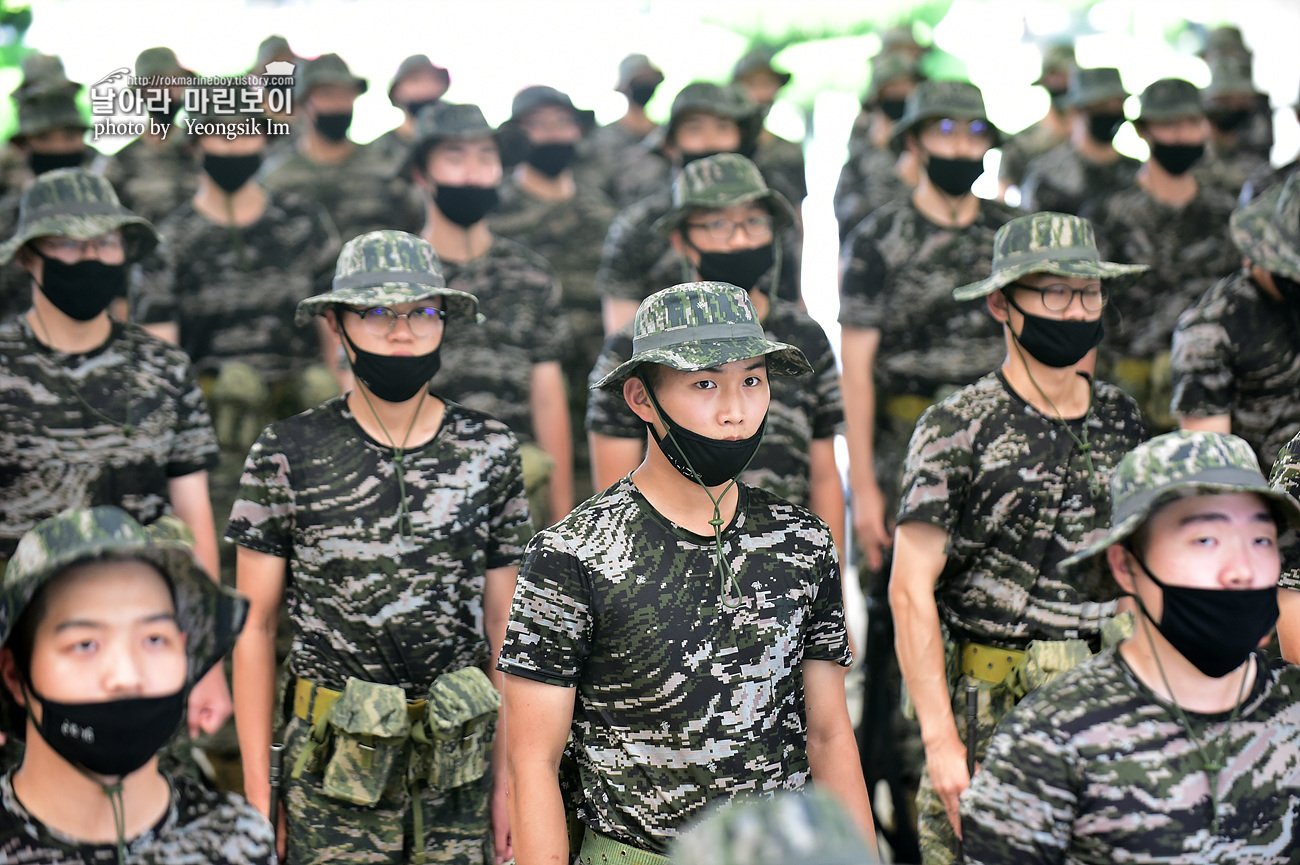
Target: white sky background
(494, 47)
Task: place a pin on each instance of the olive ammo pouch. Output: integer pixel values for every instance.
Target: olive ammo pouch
(452, 744)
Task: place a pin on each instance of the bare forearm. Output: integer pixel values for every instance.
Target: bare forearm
(859, 427)
(826, 494)
(254, 687)
(837, 769)
(919, 644)
(1288, 624)
(541, 836)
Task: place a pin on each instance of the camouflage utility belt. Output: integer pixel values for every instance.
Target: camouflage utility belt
(600, 849)
(368, 741)
(907, 408)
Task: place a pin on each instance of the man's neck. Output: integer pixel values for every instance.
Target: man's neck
(1165, 668)
(1059, 392)
(406, 130)
(64, 333)
(324, 151)
(1174, 190)
(635, 121)
(243, 207)
(543, 187)
(943, 209)
(1055, 122)
(73, 804)
(679, 498)
(453, 242)
(397, 424)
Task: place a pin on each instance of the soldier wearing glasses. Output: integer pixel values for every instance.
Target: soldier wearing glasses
(1004, 479)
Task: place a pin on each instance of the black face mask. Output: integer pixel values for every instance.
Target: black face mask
(415, 107)
(742, 268)
(688, 157)
(552, 159)
(893, 108)
(393, 378)
(640, 94)
(334, 126)
(166, 117)
(465, 205)
(1104, 127)
(954, 176)
(83, 290)
(113, 737)
(1288, 288)
(1057, 342)
(1176, 158)
(1230, 121)
(712, 462)
(1215, 629)
(43, 162)
(231, 172)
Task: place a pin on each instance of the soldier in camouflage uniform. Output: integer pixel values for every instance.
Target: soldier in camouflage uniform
(1175, 224)
(509, 368)
(1041, 136)
(636, 260)
(1226, 44)
(1003, 480)
(1236, 353)
(97, 579)
(721, 600)
(153, 174)
(418, 83)
(1286, 477)
(390, 521)
(275, 49)
(725, 194)
(353, 182)
(1230, 101)
(1086, 166)
(803, 828)
(874, 174)
(42, 73)
(781, 161)
(1266, 176)
(1181, 744)
(608, 152)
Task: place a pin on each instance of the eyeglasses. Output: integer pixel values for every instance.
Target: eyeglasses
(755, 228)
(974, 128)
(380, 320)
(1057, 297)
(67, 247)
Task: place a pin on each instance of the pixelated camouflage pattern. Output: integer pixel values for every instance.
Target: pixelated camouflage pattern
(868, 181)
(1170, 99)
(155, 179)
(681, 700)
(73, 202)
(200, 825)
(807, 828)
(957, 99)
(1012, 490)
(1096, 769)
(1237, 353)
(1090, 86)
(367, 275)
(43, 73)
(325, 69)
(1265, 178)
(888, 66)
(41, 112)
(1286, 478)
(1267, 230)
(459, 723)
(626, 168)
(233, 290)
(717, 182)
(1177, 464)
(1021, 149)
(368, 727)
(143, 422)
(489, 368)
(366, 602)
(1062, 181)
(1057, 243)
(801, 410)
(209, 615)
(681, 313)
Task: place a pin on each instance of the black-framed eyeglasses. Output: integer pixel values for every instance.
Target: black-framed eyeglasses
(1058, 296)
(756, 227)
(380, 320)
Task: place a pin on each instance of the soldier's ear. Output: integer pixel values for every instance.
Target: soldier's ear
(1118, 559)
(10, 676)
(637, 399)
(997, 302)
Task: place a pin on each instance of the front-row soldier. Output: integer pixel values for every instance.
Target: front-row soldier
(686, 629)
(1182, 744)
(391, 522)
(105, 631)
(1004, 479)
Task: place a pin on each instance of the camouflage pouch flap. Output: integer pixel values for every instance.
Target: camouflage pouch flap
(454, 744)
(370, 725)
(1045, 661)
(366, 708)
(457, 698)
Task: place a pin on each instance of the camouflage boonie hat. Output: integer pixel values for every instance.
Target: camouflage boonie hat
(635, 66)
(1056, 58)
(700, 325)
(1056, 243)
(43, 73)
(153, 62)
(1267, 230)
(759, 59)
(42, 111)
(718, 181)
(382, 268)
(888, 66)
(323, 70)
(538, 95)
(959, 100)
(1224, 41)
(1170, 99)
(417, 63)
(1177, 465)
(788, 828)
(705, 97)
(462, 122)
(72, 202)
(1090, 86)
(209, 614)
(1229, 76)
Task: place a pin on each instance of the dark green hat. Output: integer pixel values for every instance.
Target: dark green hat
(210, 615)
(273, 48)
(1170, 99)
(706, 97)
(1229, 76)
(45, 110)
(1177, 465)
(959, 100)
(756, 60)
(1056, 58)
(72, 202)
(787, 829)
(1224, 41)
(700, 325)
(718, 181)
(417, 63)
(444, 121)
(888, 66)
(534, 97)
(1090, 86)
(635, 66)
(325, 69)
(1056, 243)
(43, 73)
(1267, 230)
(382, 268)
(155, 62)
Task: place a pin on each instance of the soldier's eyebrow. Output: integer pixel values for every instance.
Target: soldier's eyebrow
(90, 623)
(1262, 515)
(759, 363)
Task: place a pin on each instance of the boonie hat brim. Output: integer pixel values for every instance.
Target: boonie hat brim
(83, 221)
(782, 212)
(1081, 267)
(1254, 230)
(705, 353)
(362, 290)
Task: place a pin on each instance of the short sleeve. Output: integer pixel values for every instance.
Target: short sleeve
(862, 279)
(548, 637)
(510, 526)
(608, 413)
(938, 470)
(153, 288)
(827, 636)
(1202, 364)
(262, 518)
